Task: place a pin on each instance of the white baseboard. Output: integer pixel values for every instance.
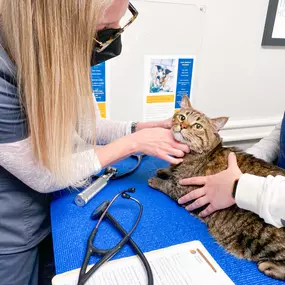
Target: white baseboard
(248, 130)
(252, 123)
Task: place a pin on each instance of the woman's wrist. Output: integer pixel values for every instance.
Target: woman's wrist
(146, 125)
(235, 188)
(133, 142)
(166, 124)
(117, 150)
(134, 127)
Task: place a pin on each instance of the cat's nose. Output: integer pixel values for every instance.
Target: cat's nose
(184, 125)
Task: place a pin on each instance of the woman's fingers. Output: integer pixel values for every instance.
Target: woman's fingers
(170, 159)
(209, 210)
(181, 146)
(199, 180)
(192, 195)
(198, 203)
(232, 160)
(175, 152)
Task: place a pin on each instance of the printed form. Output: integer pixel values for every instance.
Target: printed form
(183, 264)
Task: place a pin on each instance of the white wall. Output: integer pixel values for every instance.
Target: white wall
(234, 76)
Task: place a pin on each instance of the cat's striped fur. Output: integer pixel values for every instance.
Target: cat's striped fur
(240, 232)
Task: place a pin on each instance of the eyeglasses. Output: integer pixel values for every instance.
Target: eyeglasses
(101, 46)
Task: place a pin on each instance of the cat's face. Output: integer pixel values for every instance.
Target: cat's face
(195, 129)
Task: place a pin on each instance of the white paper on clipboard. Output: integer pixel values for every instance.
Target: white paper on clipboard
(184, 264)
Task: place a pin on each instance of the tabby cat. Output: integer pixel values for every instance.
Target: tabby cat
(240, 232)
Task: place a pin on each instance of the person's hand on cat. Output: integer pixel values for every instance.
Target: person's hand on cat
(166, 124)
(159, 142)
(216, 191)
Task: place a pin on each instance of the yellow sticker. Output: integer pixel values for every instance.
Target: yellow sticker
(160, 99)
(102, 108)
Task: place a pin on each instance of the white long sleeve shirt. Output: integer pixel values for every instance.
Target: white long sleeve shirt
(24, 213)
(264, 196)
(16, 154)
(17, 158)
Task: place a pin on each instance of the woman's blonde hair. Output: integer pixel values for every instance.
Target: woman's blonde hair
(51, 43)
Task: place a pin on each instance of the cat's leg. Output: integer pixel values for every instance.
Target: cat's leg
(160, 184)
(275, 269)
(167, 186)
(164, 173)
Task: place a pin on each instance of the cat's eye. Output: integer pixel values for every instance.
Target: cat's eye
(198, 126)
(182, 118)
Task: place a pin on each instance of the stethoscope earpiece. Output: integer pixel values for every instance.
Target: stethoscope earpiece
(126, 196)
(131, 190)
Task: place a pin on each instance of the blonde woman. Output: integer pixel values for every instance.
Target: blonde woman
(49, 122)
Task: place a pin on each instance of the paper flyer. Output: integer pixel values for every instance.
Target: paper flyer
(167, 80)
(279, 25)
(99, 78)
(183, 264)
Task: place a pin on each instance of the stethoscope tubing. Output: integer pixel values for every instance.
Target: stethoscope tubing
(136, 249)
(139, 160)
(138, 157)
(108, 254)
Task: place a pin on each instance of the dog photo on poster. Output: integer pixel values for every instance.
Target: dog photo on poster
(162, 75)
(167, 80)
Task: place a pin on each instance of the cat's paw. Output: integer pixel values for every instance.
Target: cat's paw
(154, 182)
(271, 269)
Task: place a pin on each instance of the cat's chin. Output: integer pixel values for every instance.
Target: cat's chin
(179, 137)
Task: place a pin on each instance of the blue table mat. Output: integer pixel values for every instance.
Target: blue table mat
(163, 223)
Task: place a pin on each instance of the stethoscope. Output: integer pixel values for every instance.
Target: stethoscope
(138, 157)
(101, 212)
(111, 173)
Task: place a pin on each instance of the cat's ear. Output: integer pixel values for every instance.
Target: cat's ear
(218, 123)
(185, 103)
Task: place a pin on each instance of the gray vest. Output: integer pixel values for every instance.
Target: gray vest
(24, 213)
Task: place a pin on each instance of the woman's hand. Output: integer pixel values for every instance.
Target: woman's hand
(216, 191)
(165, 124)
(159, 142)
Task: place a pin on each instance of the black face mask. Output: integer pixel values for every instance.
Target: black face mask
(113, 50)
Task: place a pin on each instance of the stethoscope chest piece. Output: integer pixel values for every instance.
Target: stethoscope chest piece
(97, 213)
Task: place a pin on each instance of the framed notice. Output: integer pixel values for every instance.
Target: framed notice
(274, 30)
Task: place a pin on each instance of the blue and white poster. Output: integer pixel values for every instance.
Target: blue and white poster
(167, 80)
(184, 79)
(99, 87)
